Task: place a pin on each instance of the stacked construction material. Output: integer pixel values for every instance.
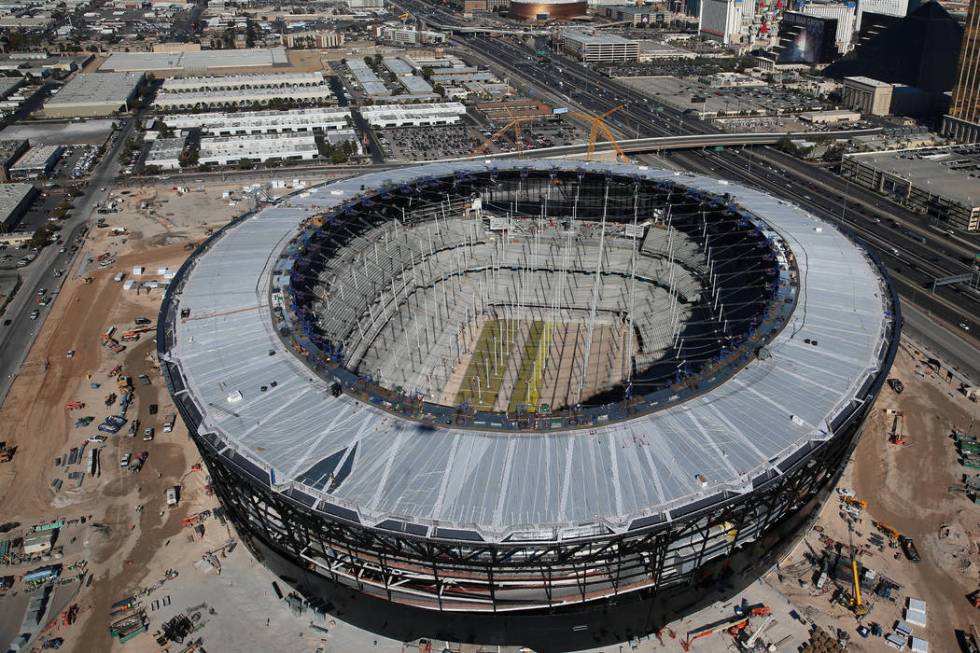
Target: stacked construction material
(127, 619)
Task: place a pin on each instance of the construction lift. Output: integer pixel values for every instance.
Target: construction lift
(597, 125)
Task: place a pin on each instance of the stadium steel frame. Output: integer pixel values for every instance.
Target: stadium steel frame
(659, 561)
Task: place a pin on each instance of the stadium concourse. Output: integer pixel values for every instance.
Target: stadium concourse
(521, 391)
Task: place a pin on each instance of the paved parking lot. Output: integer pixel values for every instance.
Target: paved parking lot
(429, 143)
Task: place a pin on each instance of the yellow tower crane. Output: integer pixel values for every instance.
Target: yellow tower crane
(597, 125)
(515, 124)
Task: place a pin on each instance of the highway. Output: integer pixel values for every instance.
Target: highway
(17, 338)
(911, 264)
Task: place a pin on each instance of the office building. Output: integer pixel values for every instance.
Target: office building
(963, 120)
(806, 39)
(39, 161)
(895, 8)
(869, 96)
(919, 50)
(10, 150)
(15, 199)
(721, 20)
(842, 13)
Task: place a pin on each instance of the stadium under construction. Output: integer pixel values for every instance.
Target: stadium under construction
(549, 403)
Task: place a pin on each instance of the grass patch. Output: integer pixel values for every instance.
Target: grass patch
(532, 353)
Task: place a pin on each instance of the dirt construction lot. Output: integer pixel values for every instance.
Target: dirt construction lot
(118, 520)
(907, 488)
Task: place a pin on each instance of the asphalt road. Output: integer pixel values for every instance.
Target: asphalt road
(17, 338)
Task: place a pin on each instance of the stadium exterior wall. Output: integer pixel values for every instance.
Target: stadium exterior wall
(654, 574)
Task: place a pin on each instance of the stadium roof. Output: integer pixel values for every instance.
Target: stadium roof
(532, 485)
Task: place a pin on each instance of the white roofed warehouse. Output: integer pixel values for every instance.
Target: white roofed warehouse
(93, 95)
(547, 397)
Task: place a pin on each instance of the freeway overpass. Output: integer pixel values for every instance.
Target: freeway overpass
(687, 142)
(631, 146)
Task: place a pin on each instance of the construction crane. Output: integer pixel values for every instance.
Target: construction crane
(858, 607)
(515, 124)
(404, 17)
(597, 125)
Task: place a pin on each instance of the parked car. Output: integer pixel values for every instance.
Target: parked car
(153, 409)
(124, 460)
(148, 433)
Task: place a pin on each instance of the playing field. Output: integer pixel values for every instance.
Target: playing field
(538, 365)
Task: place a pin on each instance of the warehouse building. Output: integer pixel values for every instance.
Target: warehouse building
(15, 199)
(195, 62)
(226, 150)
(366, 78)
(316, 119)
(417, 87)
(165, 153)
(39, 161)
(243, 97)
(94, 94)
(940, 182)
(11, 149)
(599, 48)
(409, 115)
(235, 82)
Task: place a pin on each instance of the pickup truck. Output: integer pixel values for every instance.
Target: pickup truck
(112, 424)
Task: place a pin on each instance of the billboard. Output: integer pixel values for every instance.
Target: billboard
(807, 39)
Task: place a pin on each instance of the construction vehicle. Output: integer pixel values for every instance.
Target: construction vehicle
(732, 625)
(892, 534)
(6, 453)
(896, 385)
(858, 607)
(851, 501)
(124, 383)
(971, 641)
(897, 433)
(974, 598)
(908, 548)
(134, 334)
